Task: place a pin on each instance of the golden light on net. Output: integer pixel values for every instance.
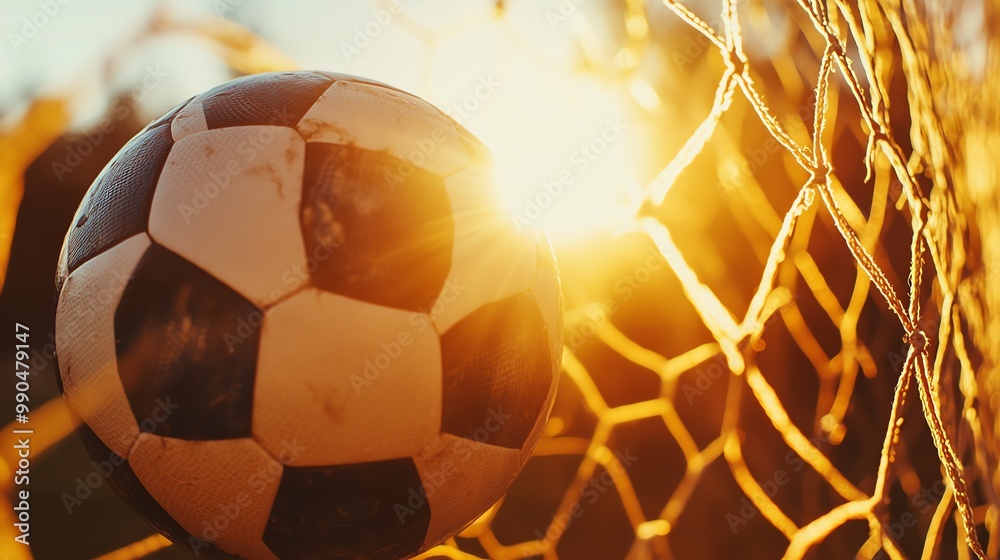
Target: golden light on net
(546, 108)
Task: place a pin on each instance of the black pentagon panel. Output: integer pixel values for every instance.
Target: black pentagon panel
(122, 479)
(367, 510)
(117, 205)
(186, 352)
(386, 225)
(497, 372)
(277, 99)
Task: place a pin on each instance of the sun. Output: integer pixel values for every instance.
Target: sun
(564, 141)
(564, 156)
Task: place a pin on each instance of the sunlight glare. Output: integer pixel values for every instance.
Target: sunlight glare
(563, 142)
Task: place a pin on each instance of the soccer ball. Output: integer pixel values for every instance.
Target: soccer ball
(295, 323)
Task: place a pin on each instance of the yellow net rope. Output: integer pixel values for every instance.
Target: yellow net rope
(853, 65)
(888, 40)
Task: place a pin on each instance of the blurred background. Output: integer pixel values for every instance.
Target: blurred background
(731, 367)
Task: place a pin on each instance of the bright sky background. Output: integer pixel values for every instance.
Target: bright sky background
(544, 113)
(542, 119)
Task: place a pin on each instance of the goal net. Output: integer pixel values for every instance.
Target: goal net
(841, 404)
(791, 349)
